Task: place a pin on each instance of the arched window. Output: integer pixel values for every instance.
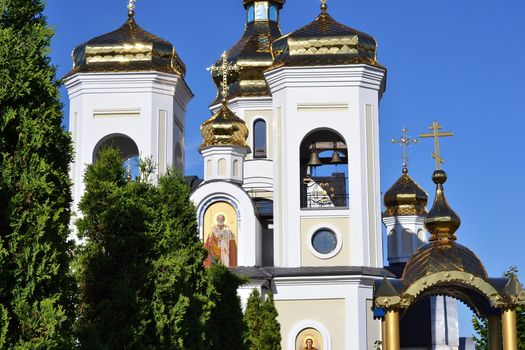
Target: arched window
(324, 170)
(259, 139)
(128, 150)
(236, 170)
(222, 167)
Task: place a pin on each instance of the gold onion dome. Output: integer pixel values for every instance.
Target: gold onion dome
(405, 197)
(325, 42)
(251, 54)
(442, 254)
(127, 49)
(224, 128)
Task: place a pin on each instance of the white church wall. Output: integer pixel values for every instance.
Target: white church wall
(312, 98)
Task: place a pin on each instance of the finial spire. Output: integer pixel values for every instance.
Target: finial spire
(436, 134)
(324, 6)
(225, 69)
(405, 141)
(131, 8)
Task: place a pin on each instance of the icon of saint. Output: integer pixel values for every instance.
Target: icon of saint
(310, 344)
(221, 245)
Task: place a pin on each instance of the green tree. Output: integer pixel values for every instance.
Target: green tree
(481, 324)
(36, 286)
(143, 283)
(225, 327)
(263, 331)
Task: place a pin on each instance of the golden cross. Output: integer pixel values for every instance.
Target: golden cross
(435, 127)
(225, 68)
(404, 141)
(131, 7)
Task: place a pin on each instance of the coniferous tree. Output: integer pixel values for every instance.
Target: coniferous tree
(481, 324)
(263, 331)
(113, 266)
(36, 287)
(225, 327)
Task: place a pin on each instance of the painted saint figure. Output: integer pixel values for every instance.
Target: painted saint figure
(221, 245)
(310, 344)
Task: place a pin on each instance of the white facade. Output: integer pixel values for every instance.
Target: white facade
(143, 111)
(345, 100)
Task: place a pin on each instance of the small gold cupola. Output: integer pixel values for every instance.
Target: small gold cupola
(325, 42)
(442, 254)
(405, 197)
(224, 128)
(127, 49)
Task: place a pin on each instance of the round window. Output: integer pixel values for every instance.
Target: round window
(324, 241)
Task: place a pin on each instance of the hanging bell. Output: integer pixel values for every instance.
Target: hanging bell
(336, 159)
(314, 159)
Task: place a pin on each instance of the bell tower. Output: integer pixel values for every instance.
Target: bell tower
(127, 90)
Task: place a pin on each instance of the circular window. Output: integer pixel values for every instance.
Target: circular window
(324, 241)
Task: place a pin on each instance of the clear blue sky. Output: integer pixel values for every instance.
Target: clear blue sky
(460, 62)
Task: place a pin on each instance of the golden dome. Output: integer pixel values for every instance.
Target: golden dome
(405, 197)
(224, 128)
(252, 55)
(442, 254)
(127, 49)
(324, 42)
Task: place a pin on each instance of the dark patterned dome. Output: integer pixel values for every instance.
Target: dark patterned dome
(324, 42)
(405, 197)
(127, 49)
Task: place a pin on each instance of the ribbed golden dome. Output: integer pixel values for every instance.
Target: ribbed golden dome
(252, 55)
(324, 42)
(442, 254)
(127, 49)
(224, 128)
(405, 197)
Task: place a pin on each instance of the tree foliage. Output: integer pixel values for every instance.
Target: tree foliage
(36, 287)
(481, 324)
(225, 326)
(142, 280)
(262, 328)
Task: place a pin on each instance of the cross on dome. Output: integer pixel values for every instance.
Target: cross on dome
(436, 134)
(405, 141)
(225, 69)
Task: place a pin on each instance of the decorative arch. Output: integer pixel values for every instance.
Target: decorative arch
(407, 242)
(323, 159)
(307, 324)
(125, 144)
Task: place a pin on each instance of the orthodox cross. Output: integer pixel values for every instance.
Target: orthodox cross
(225, 69)
(131, 7)
(436, 134)
(404, 141)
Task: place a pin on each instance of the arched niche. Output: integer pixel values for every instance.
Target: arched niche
(323, 159)
(220, 229)
(123, 143)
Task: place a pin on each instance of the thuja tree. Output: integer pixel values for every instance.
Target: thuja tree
(481, 324)
(36, 288)
(225, 327)
(263, 331)
(142, 280)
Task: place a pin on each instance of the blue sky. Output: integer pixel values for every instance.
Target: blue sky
(459, 62)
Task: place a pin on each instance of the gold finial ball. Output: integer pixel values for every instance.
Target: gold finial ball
(439, 177)
(324, 6)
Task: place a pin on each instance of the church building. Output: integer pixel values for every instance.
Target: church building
(290, 196)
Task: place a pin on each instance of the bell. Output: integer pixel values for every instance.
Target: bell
(314, 159)
(335, 158)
